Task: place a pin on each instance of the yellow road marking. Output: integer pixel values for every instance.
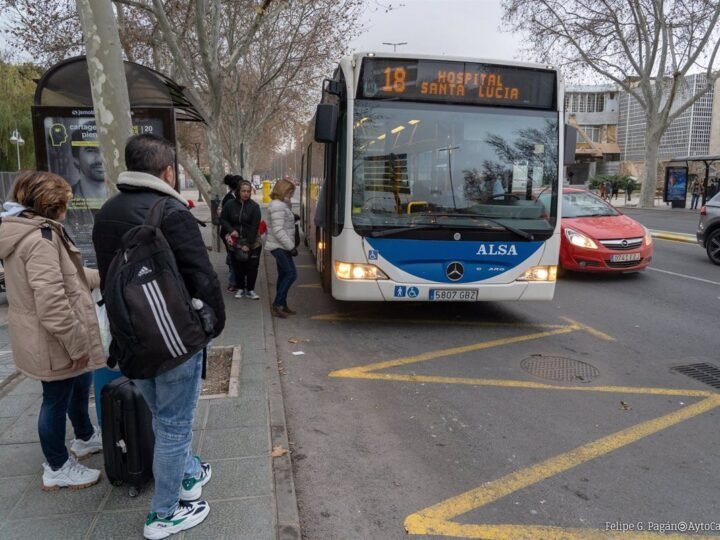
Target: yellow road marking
(436, 519)
(590, 330)
(368, 318)
(424, 357)
(310, 286)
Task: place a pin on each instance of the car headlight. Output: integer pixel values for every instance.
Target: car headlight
(579, 239)
(539, 273)
(345, 270)
(648, 237)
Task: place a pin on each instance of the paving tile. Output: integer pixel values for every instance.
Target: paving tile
(248, 519)
(18, 405)
(119, 525)
(64, 527)
(37, 502)
(200, 411)
(238, 442)
(120, 500)
(26, 386)
(5, 423)
(239, 478)
(11, 489)
(253, 372)
(20, 460)
(237, 412)
(252, 390)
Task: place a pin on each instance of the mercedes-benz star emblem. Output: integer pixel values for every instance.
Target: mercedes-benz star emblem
(455, 271)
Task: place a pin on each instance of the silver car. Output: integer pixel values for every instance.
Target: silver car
(708, 231)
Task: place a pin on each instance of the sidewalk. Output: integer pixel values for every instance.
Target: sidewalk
(251, 494)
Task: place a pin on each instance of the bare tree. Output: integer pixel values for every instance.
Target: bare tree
(646, 47)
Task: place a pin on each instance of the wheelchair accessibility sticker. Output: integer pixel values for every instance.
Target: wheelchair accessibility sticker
(373, 255)
(401, 291)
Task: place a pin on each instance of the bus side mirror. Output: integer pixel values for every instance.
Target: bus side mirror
(326, 119)
(570, 143)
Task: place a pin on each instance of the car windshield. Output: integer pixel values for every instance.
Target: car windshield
(579, 204)
(452, 166)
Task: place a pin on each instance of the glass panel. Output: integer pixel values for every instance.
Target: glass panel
(577, 204)
(413, 164)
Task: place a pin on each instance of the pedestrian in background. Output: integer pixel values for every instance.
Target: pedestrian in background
(53, 328)
(232, 181)
(281, 244)
(171, 395)
(697, 190)
(629, 188)
(241, 219)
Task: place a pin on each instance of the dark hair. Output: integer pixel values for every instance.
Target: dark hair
(231, 181)
(149, 154)
(45, 193)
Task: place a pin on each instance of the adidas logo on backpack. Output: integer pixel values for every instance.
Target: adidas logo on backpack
(153, 323)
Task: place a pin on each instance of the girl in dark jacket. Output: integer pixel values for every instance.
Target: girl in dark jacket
(241, 218)
(232, 181)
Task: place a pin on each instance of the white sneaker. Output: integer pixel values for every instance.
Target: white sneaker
(240, 293)
(252, 295)
(72, 475)
(84, 448)
(185, 516)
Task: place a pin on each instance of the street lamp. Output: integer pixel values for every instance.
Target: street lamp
(395, 45)
(18, 141)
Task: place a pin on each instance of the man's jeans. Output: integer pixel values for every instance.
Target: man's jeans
(172, 398)
(67, 397)
(287, 274)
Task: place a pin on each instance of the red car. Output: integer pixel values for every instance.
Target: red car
(598, 238)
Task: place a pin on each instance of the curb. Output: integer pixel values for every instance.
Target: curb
(286, 509)
(675, 237)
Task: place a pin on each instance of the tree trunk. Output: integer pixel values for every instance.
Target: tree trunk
(649, 185)
(108, 85)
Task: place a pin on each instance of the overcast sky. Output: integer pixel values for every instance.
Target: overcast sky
(450, 27)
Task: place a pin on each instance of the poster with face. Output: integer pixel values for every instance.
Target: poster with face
(676, 183)
(68, 146)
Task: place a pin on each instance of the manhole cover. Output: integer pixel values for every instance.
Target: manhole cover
(703, 372)
(558, 368)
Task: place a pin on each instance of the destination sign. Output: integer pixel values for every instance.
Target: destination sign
(457, 82)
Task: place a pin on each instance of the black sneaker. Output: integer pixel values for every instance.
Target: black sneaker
(185, 516)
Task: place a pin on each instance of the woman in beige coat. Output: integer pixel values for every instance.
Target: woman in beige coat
(54, 332)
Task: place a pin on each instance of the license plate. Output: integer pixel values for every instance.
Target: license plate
(625, 257)
(453, 295)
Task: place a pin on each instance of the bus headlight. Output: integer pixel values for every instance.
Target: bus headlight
(345, 270)
(579, 239)
(539, 273)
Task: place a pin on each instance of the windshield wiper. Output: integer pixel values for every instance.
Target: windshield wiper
(522, 234)
(418, 227)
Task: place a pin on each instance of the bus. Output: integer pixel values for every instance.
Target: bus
(421, 175)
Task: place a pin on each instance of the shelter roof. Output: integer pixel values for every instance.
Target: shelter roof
(67, 84)
(696, 158)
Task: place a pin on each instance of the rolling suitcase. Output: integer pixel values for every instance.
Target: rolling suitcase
(127, 435)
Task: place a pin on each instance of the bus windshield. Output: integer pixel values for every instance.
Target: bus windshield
(452, 165)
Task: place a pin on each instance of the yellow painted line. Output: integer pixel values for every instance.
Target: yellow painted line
(589, 329)
(368, 318)
(436, 518)
(355, 373)
(432, 355)
(310, 286)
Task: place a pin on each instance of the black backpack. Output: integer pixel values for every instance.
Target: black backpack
(153, 323)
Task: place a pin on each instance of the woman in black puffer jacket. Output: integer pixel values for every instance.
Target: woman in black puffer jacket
(241, 219)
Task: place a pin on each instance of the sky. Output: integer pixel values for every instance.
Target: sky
(467, 28)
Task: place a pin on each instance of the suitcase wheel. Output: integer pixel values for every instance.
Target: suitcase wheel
(133, 491)
(117, 483)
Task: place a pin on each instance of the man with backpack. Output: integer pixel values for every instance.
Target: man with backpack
(157, 280)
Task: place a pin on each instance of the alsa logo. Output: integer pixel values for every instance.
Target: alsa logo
(497, 249)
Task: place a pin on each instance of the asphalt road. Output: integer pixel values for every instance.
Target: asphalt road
(450, 418)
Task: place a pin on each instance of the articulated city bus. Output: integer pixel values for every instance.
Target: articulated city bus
(420, 179)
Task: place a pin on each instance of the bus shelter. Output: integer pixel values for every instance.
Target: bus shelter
(707, 160)
(66, 135)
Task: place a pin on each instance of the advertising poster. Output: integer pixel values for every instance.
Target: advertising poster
(69, 147)
(676, 184)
